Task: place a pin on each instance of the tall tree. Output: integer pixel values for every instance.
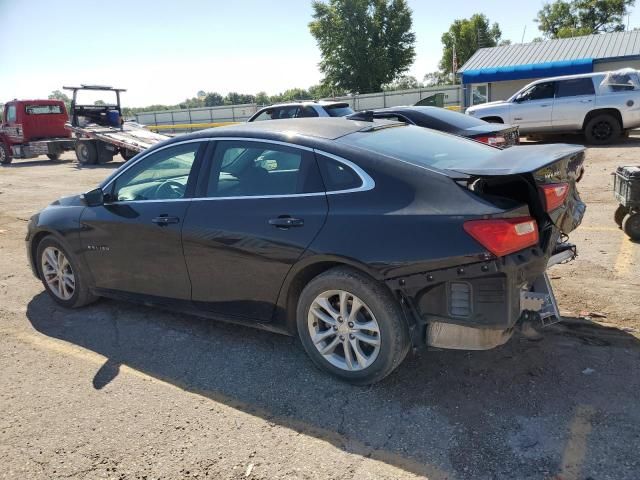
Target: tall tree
(572, 18)
(403, 82)
(465, 36)
(364, 44)
(213, 99)
(59, 95)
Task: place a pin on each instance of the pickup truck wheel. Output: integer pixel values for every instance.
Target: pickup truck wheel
(602, 129)
(631, 226)
(53, 156)
(86, 152)
(619, 214)
(127, 154)
(5, 154)
(351, 326)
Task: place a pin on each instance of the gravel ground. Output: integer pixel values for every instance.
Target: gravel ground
(128, 392)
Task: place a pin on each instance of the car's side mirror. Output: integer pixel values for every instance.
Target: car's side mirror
(94, 198)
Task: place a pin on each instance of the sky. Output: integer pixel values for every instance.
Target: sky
(165, 51)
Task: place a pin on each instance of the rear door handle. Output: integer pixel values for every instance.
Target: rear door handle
(164, 220)
(286, 222)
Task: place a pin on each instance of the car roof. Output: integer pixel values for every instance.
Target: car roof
(322, 103)
(328, 128)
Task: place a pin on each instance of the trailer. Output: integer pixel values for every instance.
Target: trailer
(100, 130)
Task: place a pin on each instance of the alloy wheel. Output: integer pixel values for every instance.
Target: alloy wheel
(58, 273)
(602, 130)
(344, 330)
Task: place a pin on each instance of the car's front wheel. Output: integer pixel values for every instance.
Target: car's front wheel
(351, 326)
(61, 275)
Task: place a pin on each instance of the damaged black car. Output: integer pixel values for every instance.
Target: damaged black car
(364, 238)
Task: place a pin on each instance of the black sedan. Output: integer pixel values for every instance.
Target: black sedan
(494, 134)
(363, 238)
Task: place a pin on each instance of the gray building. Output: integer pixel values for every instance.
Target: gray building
(497, 73)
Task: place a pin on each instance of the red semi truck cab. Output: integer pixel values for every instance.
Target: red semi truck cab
(34, 127)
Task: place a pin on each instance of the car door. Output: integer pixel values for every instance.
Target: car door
(133, 242)
(573, 100)
(532, 108)
(258, 209)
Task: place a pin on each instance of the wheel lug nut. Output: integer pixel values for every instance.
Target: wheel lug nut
(352, 336)
(342, 338)
(335, 327)
(350, 324)
(340, 319)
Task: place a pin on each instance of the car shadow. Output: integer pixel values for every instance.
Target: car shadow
(632, 141)
(504, 413)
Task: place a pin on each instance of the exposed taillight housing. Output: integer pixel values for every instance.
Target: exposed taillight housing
(554, 195)
(502, 236)
(493, 140)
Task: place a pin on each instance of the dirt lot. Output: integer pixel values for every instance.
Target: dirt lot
(128, 392)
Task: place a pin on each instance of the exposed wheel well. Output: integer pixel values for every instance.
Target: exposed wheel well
(608, 111)
(493, 119)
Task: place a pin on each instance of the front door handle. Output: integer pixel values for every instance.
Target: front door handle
(545, 105)
(286, 221)
(164, 220)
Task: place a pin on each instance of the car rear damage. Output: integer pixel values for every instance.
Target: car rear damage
(478, 305)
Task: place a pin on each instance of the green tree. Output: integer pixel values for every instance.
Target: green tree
(437, 78)
(325, 91)
(403, 82)
(466, 36)
(213, 99)
(235, 98)
(364, 44)
(262, 98)
(573, 18)
(59, 95)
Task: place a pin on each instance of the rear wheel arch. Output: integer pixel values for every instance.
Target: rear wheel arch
(602, 111)
(299, 277)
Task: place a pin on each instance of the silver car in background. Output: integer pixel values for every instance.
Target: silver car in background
(602, 106)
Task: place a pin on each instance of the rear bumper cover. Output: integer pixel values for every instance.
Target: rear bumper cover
(477, 306)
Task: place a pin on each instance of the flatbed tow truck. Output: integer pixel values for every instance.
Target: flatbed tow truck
(101, 132)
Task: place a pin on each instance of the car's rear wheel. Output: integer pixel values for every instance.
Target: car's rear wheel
(61, 275)
(619, 214)
(351, 326)
(602, 129)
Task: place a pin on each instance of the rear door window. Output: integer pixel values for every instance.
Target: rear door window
(287, 112)
(575, 87)
(308, 112)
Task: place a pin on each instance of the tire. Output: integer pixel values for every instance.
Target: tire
(619, 214)
(53, 156)
(104, 154)
(369, 363)
(602, 129)
(5, 154)
(631, 226)
(86, 152)
(127, 154)
(76, 286)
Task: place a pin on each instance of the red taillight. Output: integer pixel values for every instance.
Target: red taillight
(554, 195)
(494, 141)
(504, 235)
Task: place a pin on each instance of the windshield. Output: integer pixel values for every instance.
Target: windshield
(422, 147)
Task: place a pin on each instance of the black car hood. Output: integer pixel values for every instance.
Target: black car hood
(518, 159)
(70, 201)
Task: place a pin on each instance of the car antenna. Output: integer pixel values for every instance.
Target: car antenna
(364, 116)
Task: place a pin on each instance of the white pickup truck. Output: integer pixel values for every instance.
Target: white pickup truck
(600, 105)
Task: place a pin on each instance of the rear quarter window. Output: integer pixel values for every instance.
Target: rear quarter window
(337, 176)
